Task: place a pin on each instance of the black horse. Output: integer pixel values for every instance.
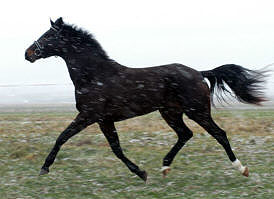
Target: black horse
(107, 92)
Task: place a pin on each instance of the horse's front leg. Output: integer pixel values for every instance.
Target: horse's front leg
(110, 133)
(78, 124)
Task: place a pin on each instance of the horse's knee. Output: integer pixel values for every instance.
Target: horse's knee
(185, 136)
(189, 135)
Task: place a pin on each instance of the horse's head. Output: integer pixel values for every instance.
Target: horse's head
(51, 43)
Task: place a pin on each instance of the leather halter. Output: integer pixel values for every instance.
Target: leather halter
(40, 48)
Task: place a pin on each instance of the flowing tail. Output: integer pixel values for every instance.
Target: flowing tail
(246, 84)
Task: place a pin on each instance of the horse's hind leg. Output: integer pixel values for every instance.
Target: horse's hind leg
(110, 133)
(204, 119)
(175, 121)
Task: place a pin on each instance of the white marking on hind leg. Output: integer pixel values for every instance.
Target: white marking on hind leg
(164, 168)
(238, 165)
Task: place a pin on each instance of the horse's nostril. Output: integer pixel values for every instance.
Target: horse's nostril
(28, 56)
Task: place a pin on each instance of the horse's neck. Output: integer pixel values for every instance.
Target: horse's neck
(84, 69)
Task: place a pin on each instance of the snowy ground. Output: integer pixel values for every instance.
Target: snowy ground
(86, 167)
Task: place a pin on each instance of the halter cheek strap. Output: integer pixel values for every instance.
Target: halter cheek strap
(38, 45)
(54, 29)
(39, 49)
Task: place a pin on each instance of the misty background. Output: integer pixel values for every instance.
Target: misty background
(199, 34)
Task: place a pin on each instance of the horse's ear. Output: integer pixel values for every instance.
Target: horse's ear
(59, 22)
(51, 23)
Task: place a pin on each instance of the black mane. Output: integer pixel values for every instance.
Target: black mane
(84, 37)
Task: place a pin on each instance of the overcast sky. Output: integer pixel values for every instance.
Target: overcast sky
(142, 33)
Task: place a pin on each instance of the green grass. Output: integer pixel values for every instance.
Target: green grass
(86, 167)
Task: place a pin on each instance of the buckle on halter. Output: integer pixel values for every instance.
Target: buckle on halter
(37, 52)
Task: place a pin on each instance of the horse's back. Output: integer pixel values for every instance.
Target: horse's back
(185, 86)
(173, 71)
(175, 84)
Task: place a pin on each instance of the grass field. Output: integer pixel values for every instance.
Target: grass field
(86, 167)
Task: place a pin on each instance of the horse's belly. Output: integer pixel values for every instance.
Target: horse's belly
(129, 112)
(131, 108)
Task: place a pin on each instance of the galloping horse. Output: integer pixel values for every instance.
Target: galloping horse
(107, 92)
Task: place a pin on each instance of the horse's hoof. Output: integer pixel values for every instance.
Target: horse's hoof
(44, 171)
(143, 175)
(246, 172)
(165, 170)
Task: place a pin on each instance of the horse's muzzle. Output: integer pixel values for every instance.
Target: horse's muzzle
(29, 57)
